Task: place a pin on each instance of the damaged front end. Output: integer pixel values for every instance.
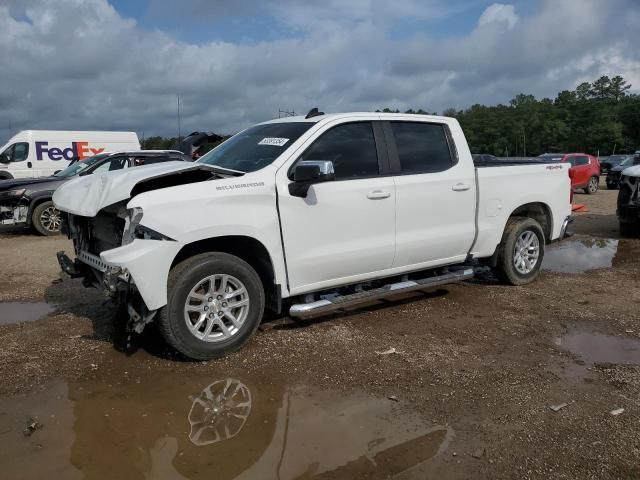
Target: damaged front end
(629, 199)
(103, 245)
(14, 207)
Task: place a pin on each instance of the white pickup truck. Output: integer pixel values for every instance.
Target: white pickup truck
(312, 214)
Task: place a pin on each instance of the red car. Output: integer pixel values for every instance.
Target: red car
(584, 171)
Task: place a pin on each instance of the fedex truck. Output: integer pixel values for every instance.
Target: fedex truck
(38, 153)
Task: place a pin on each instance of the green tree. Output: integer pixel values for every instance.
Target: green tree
(619, 87)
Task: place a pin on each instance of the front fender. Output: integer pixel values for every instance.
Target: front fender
(241, 206)
(148, 262)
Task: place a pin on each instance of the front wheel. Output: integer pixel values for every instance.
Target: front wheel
(521, 251)
(46, 219)
(592, 186)
(215, 303)
(629, 229)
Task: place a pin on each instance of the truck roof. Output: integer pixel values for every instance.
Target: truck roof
(381, 115)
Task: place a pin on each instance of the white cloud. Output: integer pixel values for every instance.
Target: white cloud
(104, 71)
(499, 13)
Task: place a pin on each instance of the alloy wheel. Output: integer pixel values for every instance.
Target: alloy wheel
(526, 252)
(216, 308)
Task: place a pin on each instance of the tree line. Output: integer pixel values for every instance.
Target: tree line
(600, 117)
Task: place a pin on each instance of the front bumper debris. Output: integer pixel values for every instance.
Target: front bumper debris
(14, 214)
(72, 268)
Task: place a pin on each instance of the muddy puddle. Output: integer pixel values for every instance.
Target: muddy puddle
(14, 312)
(576, 256)
(210, 426)
(593, 348)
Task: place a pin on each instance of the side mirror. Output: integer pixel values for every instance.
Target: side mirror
(4, 158)
(308, 172)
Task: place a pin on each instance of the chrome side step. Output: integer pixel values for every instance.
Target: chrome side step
(333, 302)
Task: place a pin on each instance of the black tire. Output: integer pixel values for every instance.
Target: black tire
(592, 186)
(182, 278)
(629, 229)
(41, 219)
(505, 268)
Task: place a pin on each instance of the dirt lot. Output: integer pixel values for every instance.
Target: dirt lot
(467, 393)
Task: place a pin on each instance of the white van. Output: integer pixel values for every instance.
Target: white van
(38, 153)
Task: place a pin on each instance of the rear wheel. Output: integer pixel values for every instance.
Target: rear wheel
(592, 186)
(521, 251)
(215, 303)
(46, 219)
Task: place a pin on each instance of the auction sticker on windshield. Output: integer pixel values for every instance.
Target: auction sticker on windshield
(275, 141)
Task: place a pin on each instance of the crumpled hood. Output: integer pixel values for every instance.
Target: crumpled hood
(632, 171)
(87, 195)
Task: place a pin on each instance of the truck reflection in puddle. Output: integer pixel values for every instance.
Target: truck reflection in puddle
(219, 412)
(148, 427)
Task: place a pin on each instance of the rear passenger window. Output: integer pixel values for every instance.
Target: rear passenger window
(137, 161)
(352, 149)
(582, 161)
(422, 147)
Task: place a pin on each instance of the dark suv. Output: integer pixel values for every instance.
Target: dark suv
(607, 163)
(614, 173)
(27, 201)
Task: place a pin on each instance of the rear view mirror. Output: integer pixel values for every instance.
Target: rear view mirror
(4, 158)
(308, 172)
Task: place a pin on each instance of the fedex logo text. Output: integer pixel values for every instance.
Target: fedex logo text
(79, 150)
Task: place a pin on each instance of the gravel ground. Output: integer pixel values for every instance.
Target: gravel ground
(485, 360)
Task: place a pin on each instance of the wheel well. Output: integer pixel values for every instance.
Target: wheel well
(34, 203)
(5, 176)
(539, 212)
(250, 250)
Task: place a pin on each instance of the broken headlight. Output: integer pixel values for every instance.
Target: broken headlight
(133, 229)
(146, 233)
(131, 221)
(12, 193)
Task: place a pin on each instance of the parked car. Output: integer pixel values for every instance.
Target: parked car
(584, 172)
(309, 214)
(27, 202)
(628, 210)
(607, 163)
(38, 153)
(614, 174)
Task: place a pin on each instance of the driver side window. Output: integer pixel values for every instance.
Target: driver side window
(18, 152)
(352, 149)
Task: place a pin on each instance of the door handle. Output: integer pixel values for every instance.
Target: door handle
(461, 187)
(378, 195)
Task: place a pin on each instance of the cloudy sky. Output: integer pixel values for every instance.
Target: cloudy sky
(118, 64)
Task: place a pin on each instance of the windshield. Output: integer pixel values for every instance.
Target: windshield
(627, 162)
(618, 158)
(81, 165)
(256, 147)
